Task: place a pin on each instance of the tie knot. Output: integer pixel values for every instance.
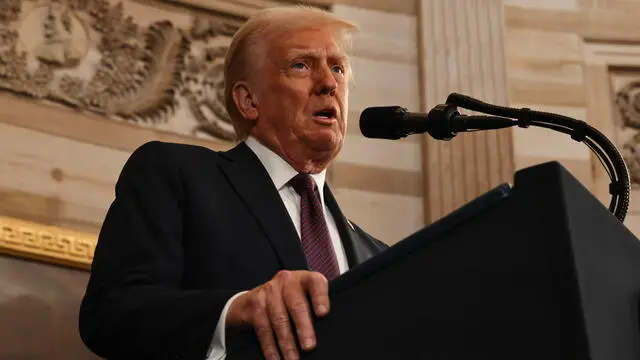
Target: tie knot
(303, 184)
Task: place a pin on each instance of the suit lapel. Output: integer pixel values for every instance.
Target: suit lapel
(345, 229)
(253, 184)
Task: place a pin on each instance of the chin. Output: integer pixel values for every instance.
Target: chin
(324, 142)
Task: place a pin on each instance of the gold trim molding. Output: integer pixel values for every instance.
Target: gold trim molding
(46, 243)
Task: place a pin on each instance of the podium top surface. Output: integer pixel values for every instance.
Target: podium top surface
(418, 239)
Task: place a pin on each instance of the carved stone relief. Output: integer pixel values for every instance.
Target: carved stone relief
(628, 105)
(92, 56)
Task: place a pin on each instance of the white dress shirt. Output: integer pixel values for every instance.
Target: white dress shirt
(280, 173)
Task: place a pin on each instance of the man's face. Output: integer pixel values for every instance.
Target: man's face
(301, 98)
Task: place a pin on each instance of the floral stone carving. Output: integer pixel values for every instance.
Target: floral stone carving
(90, 55)
(628, 103)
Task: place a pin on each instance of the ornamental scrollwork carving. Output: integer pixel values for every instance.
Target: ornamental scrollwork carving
(631, 155)
(203, 89)
(628, 104)
(203, 82)
(9, 10)
(92, 56)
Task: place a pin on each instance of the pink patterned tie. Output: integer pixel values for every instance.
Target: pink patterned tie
(316, 241)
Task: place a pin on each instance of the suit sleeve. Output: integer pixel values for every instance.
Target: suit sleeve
(134, 306)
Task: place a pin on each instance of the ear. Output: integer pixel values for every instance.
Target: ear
(245, 101)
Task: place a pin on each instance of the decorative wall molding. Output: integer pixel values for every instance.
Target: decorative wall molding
(612, 80)
(627, 101)
(628, 104)
(92, 56)
(46, 243)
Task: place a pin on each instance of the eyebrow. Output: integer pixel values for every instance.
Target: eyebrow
(306, 53)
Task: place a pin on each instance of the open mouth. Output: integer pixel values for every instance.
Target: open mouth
(325, 114)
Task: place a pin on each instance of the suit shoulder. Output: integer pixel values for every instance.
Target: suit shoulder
(166, 159)
(170, 155)
(173, 150)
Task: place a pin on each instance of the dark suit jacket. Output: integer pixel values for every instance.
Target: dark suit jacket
(189, 227)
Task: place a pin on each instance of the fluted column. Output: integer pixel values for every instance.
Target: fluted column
(461, 50)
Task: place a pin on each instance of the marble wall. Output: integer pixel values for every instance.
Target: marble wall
(573, 57)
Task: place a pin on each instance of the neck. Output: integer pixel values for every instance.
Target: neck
(301, 158)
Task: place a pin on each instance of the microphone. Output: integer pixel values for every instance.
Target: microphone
(443, 122)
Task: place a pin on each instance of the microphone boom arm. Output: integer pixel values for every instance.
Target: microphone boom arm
(598, 143)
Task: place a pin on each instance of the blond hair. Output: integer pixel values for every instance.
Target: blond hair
(250, 39)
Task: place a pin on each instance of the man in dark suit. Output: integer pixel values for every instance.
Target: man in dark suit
(198, 242)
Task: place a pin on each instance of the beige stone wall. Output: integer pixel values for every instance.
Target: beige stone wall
(566, 56)
(545, 69)
(379, 182)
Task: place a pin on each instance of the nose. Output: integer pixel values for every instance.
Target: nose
(326, 83)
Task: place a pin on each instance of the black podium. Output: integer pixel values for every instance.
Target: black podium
(540, 270)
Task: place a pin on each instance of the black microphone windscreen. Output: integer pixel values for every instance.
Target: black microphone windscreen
(381, 122)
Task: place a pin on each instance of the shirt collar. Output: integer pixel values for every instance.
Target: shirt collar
(279, 170)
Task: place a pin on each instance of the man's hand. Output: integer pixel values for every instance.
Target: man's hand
(268, 308)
